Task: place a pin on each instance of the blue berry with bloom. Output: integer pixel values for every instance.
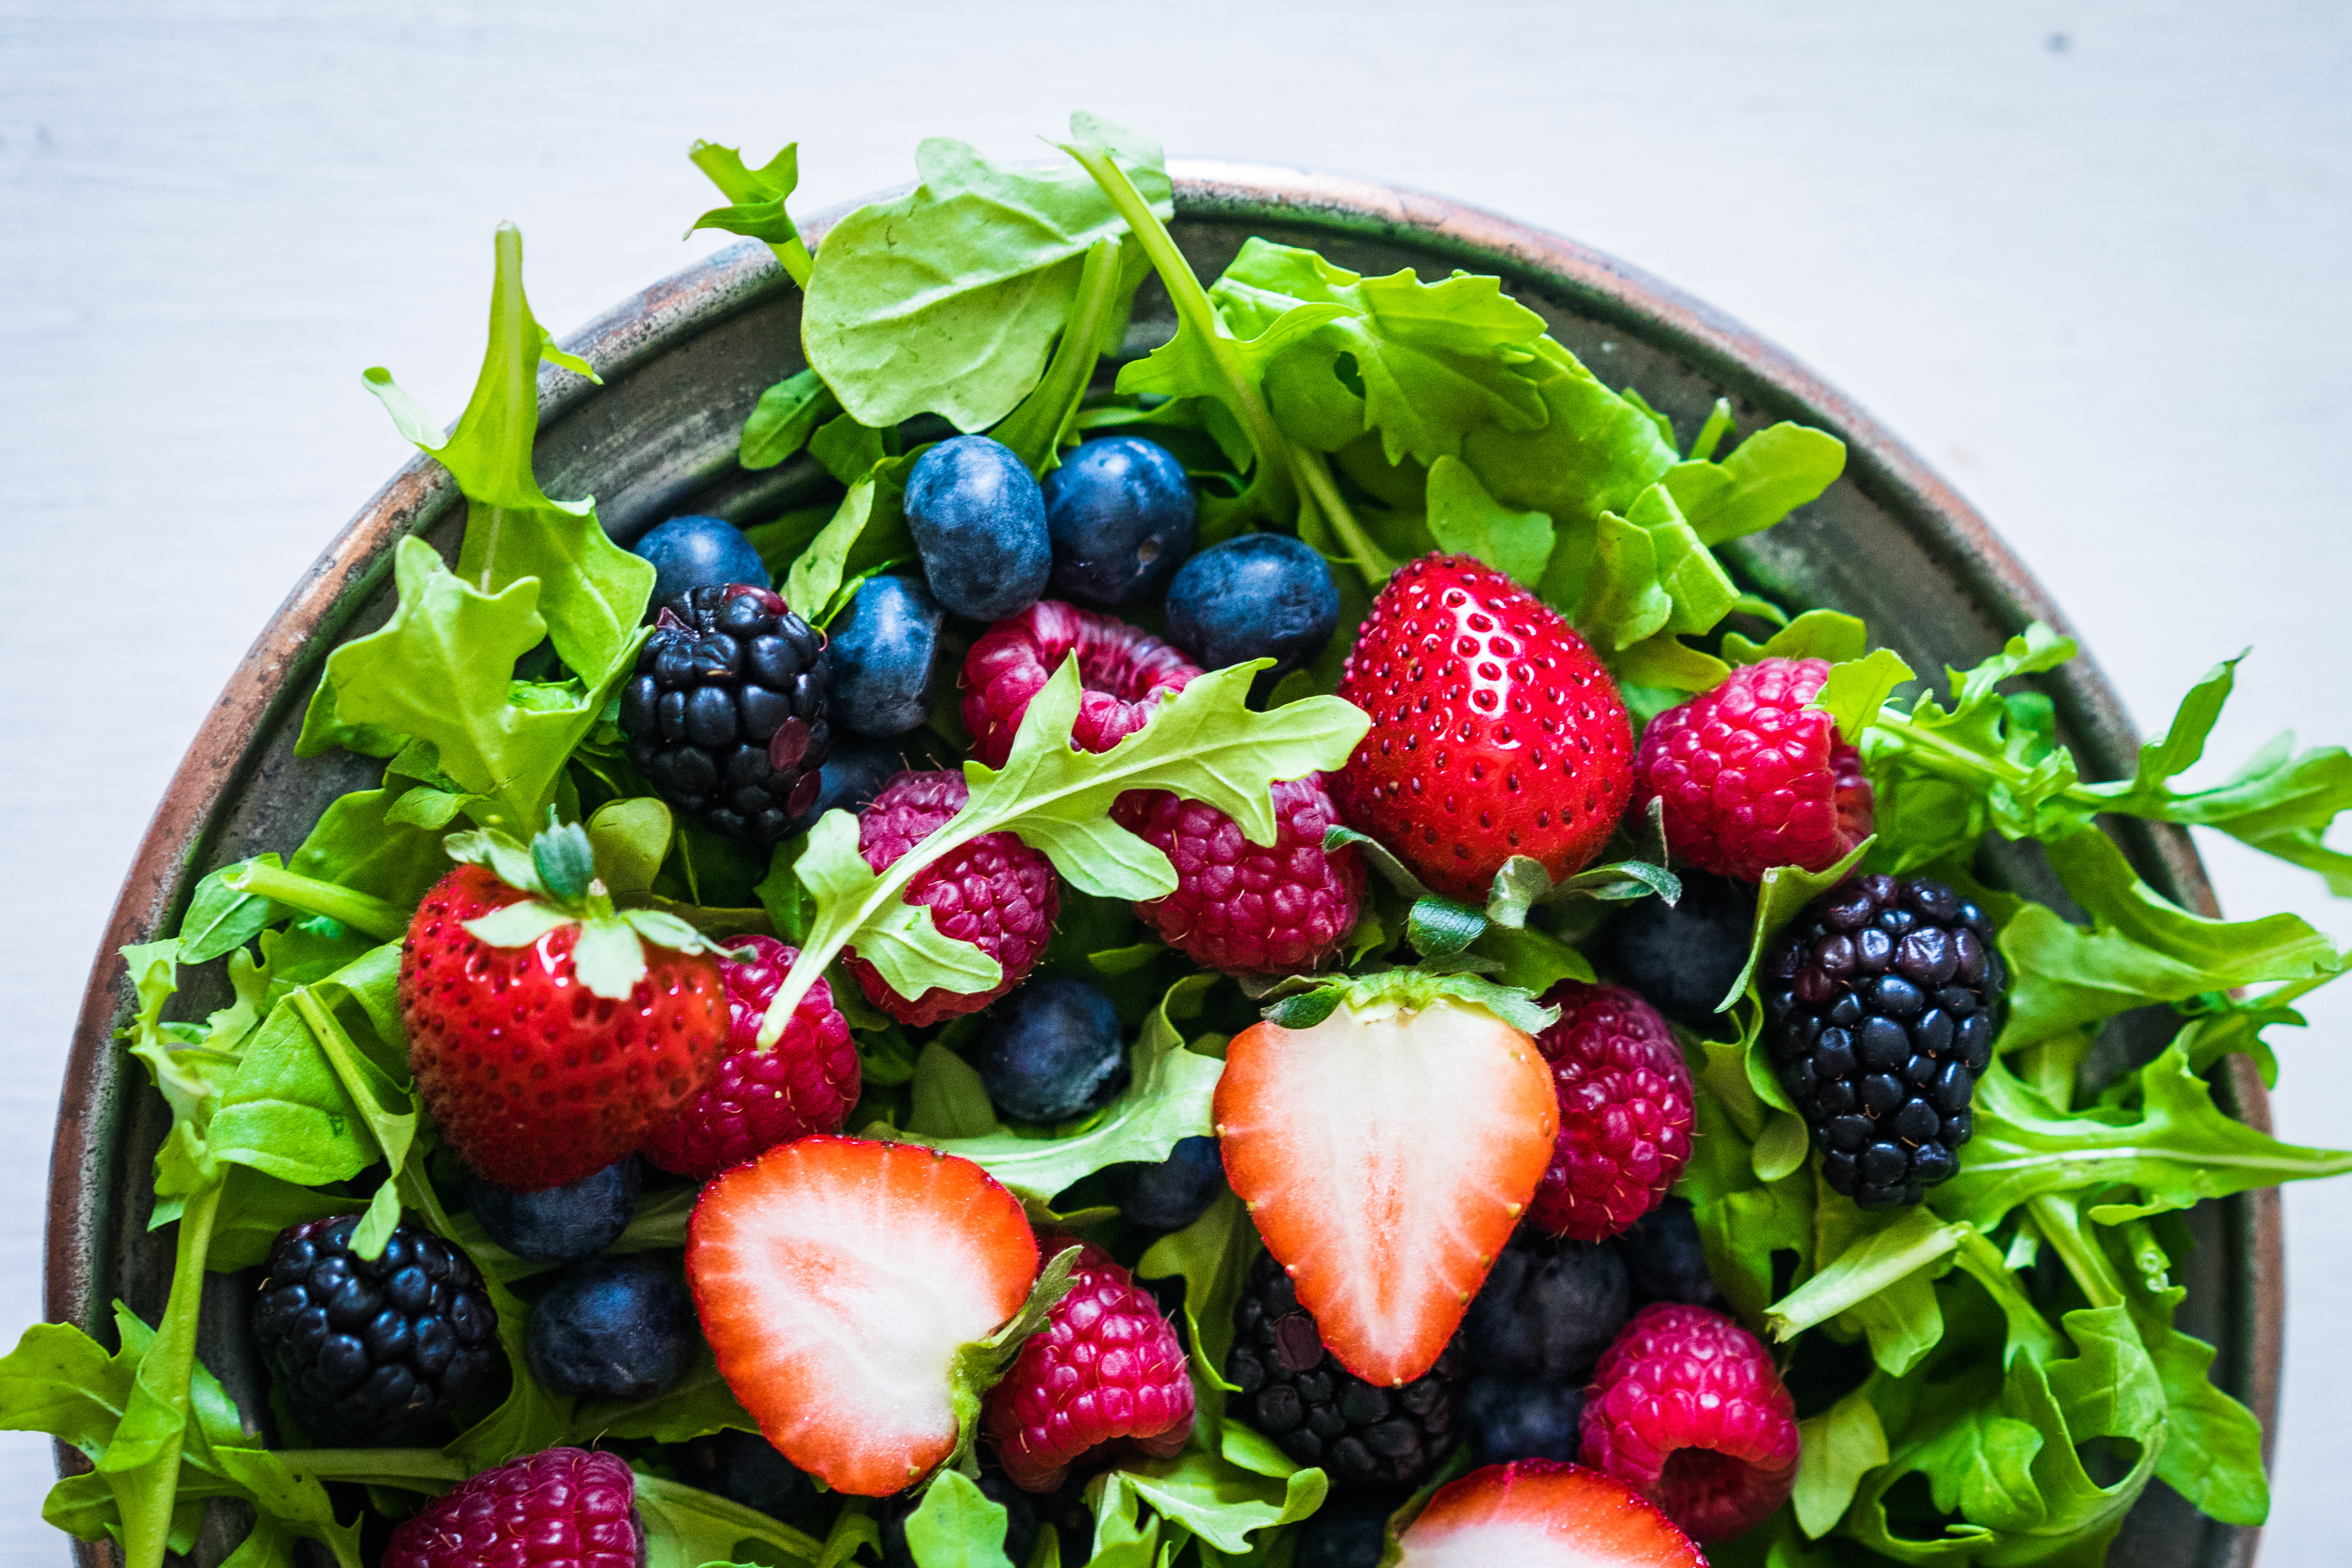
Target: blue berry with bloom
(979, 522)
(1122, 515)
(1261, 595)
(697, 552)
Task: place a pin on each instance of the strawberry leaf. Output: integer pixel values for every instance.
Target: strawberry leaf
(981, 1364)
(519, 925)
(566, 863)
(608, 958)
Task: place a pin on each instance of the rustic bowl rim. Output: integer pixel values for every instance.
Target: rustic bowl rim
(220, 758)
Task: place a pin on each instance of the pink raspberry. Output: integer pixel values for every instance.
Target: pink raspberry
(1753, 778)
(1244, 908)
(563, 1508)
(1105, 1369)
(995, 892)
(1126, 672)
(1625, 1111)
(1686, 1409)
(758, 1099)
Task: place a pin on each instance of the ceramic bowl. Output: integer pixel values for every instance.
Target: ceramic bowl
(682, 363)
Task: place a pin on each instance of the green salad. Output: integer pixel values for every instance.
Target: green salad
(1969, 1329)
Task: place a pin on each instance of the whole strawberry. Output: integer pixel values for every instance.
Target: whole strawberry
(1753, 778)
(1625, 1111)
(1687, 1408)
(994, 892)
(1107, 1369)
(549, 1032)
(1281, 909)
(759, 1098)
(1496, 730)
(1127, 672)
(561, 1507)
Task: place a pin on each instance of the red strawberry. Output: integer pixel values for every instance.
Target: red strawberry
(561, 1507)
(1107, 1369)
(1126, 671)
(759, 1098)
(1242, 908)
(1625, 1111)
(1496, 730)
(1385, 1153)
(837, 1279)
(547, 1038)
(994, 892)
(1753, 778)
(1540, 1514)
(1687, 1406)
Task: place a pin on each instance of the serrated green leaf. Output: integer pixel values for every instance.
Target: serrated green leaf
(1218, 1500)
(1835, 1450)
(1856, 689)
(899, 939)
(1765, 478)
(1466, 521)
(781, 422)
(1816, 634)
(1882, 1250)
(1784, 891)
(1213, 1257)
(756, 199)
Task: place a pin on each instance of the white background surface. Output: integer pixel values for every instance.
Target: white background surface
(2091, 258)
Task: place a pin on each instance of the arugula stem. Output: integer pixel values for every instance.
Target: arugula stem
(1277, 465)
(712, 160)
(1718, 424)
(2060, 1225)
(1034, 430)
(342, 1056)
(412, 1470)
(1941, 756)
(1371, 562)
(376, 917)
(153, 1428)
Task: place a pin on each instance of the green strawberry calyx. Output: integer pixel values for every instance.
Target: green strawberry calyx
(558, 869)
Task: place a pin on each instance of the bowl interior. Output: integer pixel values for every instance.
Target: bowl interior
(684, 361)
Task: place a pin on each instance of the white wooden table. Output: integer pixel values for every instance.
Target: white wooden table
(2090, 258)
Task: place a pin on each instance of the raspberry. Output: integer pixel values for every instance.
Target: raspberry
(1105, 1369)
(727, 713)
(364, 1350)
(1753, 778)
(1127, 672)
(1244, 908)
(758, 1099)
(1625, 1111)
(1686, 1409)
(562, 1508)
(1295, 1391)
(1879, 1004)
(994, 892)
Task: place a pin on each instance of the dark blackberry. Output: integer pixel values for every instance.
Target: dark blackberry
(1295, 1391)
(1547, 1308)
(1880, 1006)
(1683, 958)
(726, 711)
(1664, 1258)
(366, 1350)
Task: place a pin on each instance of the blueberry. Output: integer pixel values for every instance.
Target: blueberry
(559, 1225)
(621, 1327)
(1347, 1531)
(1120, 513)
(1664, 1258)
(1053, 1052)
(1508, 1418)
(979, 522)
(884, 652)
(852, 776)
(1547, 1309)
(1684, 958)
(744, 1467)
(1174, 1192)
(1261, 595)
(697, 552)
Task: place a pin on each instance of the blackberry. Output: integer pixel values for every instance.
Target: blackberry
(1880, 1006)
(364, 1350)
(1547, 1308)
(1294, 1391)
(726, 711)
(1684, 957)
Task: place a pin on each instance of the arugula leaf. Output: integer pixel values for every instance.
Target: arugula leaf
(1836, 1449)
(1879, 1251)
(438, 670)
(868, 530)
(359, 844)
(950, 1101)
(1635, 577)
(1594, 451)
(1765, 477)
(1167, 1099)
(1211, 1256)
(1816, 634)
(285, 1111)
(946, 300)
(958, 1526)
(1432, 360)
(1466, 521)
(698, 1403)
(1203, 745)
(785, 418)
(592, 592)
(1779, 896)
(1217, 1500)
(1857, 688)
(756, 202)
(686, 1527)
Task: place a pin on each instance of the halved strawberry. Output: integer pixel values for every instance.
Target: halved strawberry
(1385, 1153)
(1540, 1514)
(837, 1279)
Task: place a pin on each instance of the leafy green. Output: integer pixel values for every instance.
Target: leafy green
(948, 1099)
(1216, 1499)
(756, 200)
(1642, 575)
(438, 670)
(867, 531)
(1784, 891)
(359, 844)
(1213, 1257)
(1764, 479)
(591, 590)
(947, 299)
(1835, 1450)
(785, 418)
(1204, 744)
(686, 1527)
(1037, 429)
(1594, 452)
(957, 1526)
(1167, 1099)
(1466, 521)
(221, 918)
